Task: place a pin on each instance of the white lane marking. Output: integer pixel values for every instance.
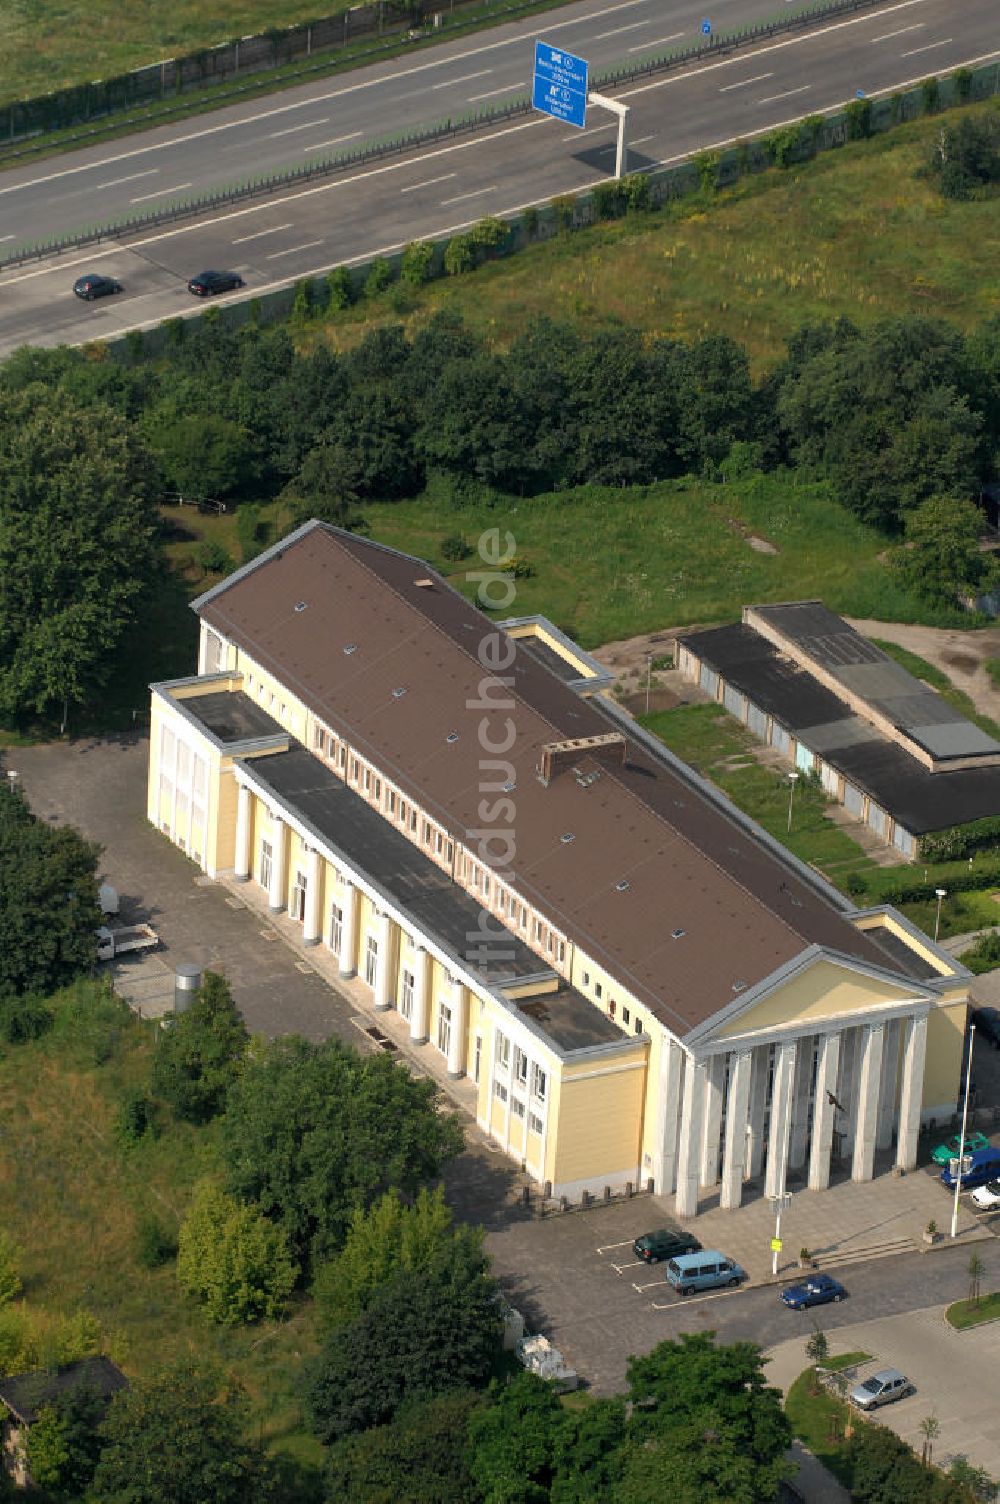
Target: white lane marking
(465, 79)
(292, 250)
(674, 36)
(694, 1300)
(491, 93)
(306, 125)
(476, 193)
(413, 187)
(593, 131)
(900, 32)
(116, 182)
(638, 140)
(370, 83)
(160, 193)
(617, 30)
(7, 237)
(607, 1247)
(321, 145)
(652, 1284)
(757, 78)
(274, 230)
(773, 98)
(620, 1268)
(928, 48)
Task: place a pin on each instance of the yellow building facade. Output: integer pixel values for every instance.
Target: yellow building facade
(604, 1049)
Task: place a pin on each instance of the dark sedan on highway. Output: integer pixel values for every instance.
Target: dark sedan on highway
(817, 1290)
(93, 285)
(208, 283)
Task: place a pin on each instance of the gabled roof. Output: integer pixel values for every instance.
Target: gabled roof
(25, 1394)
(666, 886)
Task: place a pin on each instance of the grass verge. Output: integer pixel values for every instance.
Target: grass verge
(966, 1313)
(819, 1419)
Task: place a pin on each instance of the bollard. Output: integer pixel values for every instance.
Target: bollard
(585, 1199)
(564, 1203)
(649, 1185)
(548, 1190)
(628, 1190)
(526, 1195)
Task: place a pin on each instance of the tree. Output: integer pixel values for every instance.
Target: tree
(965, 158)
(941, 559)
(200, 452)
(976, 1479)
(48, 900)
(976, 1271)
(704, 1426)
(63, 1445)
(200, 1055)
(233, 1259)
(327, 486)
(930, 1430)
(391, 1239)
(175, 1439)
(512, 1443)
(419, 1459)
(817, 1347)
(76, 547)
(416, 1338)
(313, 1132)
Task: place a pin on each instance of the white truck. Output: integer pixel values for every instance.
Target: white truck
(125, 937)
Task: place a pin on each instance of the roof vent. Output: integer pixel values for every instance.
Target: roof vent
(566, 837)
(301, 605)
(623, 886)
(739, 985)
(509, 786)
(452, 736)
(399, 692)
(676, 934)
(350, 647)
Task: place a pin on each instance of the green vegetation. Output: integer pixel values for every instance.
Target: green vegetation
(921, 669)
(818, 1418)
(845, 1360)
(984, 955)
(965, 1313)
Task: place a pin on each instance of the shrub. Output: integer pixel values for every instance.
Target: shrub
(23, 1018)
(417, 263)
(707, 167)
(930, 94)
(564, 209)
(859, 119)
(608, 200)
(134, 344)
(529, 222)
(490, 234)
(135, 1119)
(638, 192)
(201, 1053)
(213, 558)
(896, 108)
(233, 1259)
(340, 289)
(984, 955)
(962, 79)
(454, 548)
(379, 277)
(783, 145)
(303, 300)
(155, 1244)
(458, 256)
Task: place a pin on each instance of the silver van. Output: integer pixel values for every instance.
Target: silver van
(691, 1272)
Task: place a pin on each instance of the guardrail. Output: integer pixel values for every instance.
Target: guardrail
(520, 105)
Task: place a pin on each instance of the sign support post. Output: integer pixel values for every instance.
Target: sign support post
(621, 110)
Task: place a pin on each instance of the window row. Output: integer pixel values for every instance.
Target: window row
(388, 799)
(497, 896)
(522, 1068)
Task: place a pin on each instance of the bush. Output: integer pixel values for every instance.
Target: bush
(490, 234)
(155, 1244)
(303, 300)
(930, 93)
(859, 119)
(23, 1018)
(454, 548)
(564, 209)
(232, 1259)
(340, 289)
(379, 277)
(984, 955)
(135, 1119)
(529, 222)
(707, 167)
(638, 193)
(783, 145)
(201, 1053)
(458, 256)
(962, 79)
(608, 200)
(417, 264)
(213, 558)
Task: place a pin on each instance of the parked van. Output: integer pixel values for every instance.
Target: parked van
(691, 1272)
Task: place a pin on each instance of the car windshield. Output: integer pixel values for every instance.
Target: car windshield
(873, 1386)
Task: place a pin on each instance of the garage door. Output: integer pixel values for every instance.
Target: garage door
(903, 841)
(735, 702)
(878, 819)
(709, 681)
(779, 738)
(804, 758)
(757, 721)
(854, 800)
(830, 779)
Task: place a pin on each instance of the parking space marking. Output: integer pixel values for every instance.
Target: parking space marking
(607, 1247)
(682, 1300)
(620, 1268)
(654, 1284)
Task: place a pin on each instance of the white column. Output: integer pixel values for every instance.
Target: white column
(459, 1002)
(869, 1077)
(311, 922)
(911, 1091)
(737, 1110)
(715, 1082)
(847, 1092)
(349, 932)
(383, 971)
(421, 998)
(667, 1117)
(242, 861)
(781, 1119)
(758, 1107)
(277, 893)
(689, 1152)
(800, 1105)
(823, 1112)
(887, 1089)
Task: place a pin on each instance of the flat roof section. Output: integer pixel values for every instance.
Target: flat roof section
(548, 658)
(231, 716)
(569, 1019)
(341, 817)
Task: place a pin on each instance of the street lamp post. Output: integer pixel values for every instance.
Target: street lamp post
(779, 1203)
(961, 1140)
(793, 779)
(941, 893)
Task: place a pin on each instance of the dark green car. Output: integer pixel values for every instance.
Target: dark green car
(664, 1244)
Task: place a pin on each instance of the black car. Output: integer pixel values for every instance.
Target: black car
(664, 1244)
(95, 286)
(207, 283)
(987, 1022)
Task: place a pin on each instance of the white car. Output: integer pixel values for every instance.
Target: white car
(987, 1197)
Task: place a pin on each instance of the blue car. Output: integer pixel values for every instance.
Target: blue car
(816, 1291)
(985, 1166)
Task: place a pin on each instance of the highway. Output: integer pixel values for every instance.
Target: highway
(441, 189)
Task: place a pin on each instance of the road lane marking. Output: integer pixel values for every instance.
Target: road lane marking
(928, 48)
(413, 187)
(293, 250)
(305, 125)
(258, 233)
(116, 182)
(617, 30)
(322, 145)
(620, 1268)
(757, 78)
(689, 1301)
(492, 93)
(609, 125)
(901, 32)
(476, 193)
(160, 193)
(465, 79)
(656, 1284)
(773, 98)
(638, 141)
(607, 1247)
(674, 36)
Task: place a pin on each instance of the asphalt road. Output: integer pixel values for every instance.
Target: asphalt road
(439, 190)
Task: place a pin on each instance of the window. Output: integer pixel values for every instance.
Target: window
(371, 960)
(536, 929)
(612, 1006)
(298, 904)
(354, 770)
(378, 788)
(598, 990)
(342, 758)
(539, 1082)
(638, 1026)
(524, 918)
(336, 927)
(413, 821)
(562, 950)
(368, 780)
(402, 810)
(626, 1017)
(406, 996)
(439, 843)
(517, 1108)
(392, 802)
(520, 1066)
(427, 833)
(502, 1050)
(266, 863)
(319, 738)
(535, 1124)
(550, 943)
(284, 711)
(486, 886)
(444, 1028)
(450, 852)
(500, 1091)
(272, 699)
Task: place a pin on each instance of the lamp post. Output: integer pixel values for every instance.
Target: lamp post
(793, 779)
(941, 893)
(961, 1140)
(779, 1203)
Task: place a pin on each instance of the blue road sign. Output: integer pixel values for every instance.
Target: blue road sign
(559, 84)
(706, 28)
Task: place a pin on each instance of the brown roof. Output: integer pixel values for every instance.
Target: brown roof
(689, 864)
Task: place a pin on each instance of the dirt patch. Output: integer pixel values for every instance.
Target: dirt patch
(962, 661)
(761, 544)
(659, 699)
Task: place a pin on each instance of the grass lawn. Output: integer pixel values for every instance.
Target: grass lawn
(819, 1418)
(72, 1198)
(932, 675)
(965, 1313)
